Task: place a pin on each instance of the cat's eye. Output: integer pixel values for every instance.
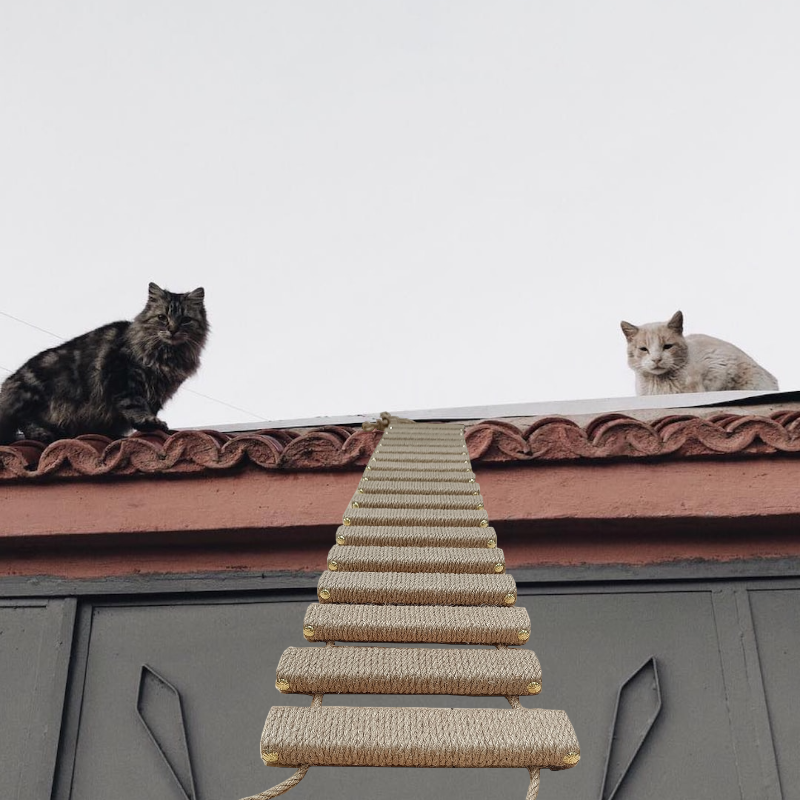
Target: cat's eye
(643, 349)
(667, 346)
(161, 317)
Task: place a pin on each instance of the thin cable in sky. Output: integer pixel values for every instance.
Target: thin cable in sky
(230, 405)
(31, 325)
(187, 389)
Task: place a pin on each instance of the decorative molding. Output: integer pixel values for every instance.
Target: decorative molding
(549, 439)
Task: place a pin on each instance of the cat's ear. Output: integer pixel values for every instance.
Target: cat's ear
(676, 322)
(155, 292)
(629, 330)
(197, 294)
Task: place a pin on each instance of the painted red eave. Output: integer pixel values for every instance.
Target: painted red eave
(616, 491)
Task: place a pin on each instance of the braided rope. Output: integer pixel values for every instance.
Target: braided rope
(417, 588)
(339, 736)
(292, 780)
(426, 433)
(415, 536)
(533, 787)
(471, 501)
(283, 787)
(428, 449)
(409, 670)
(457, 467)
(445, 625)
(383, 422)
(415, 561)
(410, 458)
(415, 486)
(463, 560)
(387, 477)
(445, 517)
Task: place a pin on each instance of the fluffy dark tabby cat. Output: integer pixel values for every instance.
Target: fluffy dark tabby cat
(111, 379)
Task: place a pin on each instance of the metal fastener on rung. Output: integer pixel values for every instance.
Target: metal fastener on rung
(333, 566)
(324, 594)
(534, 687)
(308, 631)
(499, 567)
(347, 521)
(572, 758)
(510, 599)
(282, 685)
(523, 635)
(269, 758)
(484, 523)
(490, 543)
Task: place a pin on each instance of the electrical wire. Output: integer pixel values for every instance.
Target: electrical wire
(31, 325)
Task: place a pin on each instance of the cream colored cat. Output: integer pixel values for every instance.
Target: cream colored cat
(667, 362)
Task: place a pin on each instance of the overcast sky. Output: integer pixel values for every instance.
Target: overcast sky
(402, 205)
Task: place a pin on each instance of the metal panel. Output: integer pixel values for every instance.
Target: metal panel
(647, 657)
(776, 622)
(35, 639)
(747, 708)
(217, 659)
(591, 645)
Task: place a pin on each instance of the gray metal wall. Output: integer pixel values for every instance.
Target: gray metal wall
(677, 689)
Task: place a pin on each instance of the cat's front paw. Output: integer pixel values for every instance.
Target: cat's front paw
(148, 424)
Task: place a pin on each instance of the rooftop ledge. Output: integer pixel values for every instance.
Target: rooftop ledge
(666, 427)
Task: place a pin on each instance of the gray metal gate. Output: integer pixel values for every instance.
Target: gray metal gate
(680, 690)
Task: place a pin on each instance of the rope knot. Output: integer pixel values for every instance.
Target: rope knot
(383, 422)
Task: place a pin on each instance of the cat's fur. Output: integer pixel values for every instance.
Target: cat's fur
(667, 362)
(109, 380)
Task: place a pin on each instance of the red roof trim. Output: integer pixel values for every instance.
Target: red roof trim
(550, 439)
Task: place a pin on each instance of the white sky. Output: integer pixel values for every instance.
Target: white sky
(402, 205)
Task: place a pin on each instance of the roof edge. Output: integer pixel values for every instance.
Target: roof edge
(592, 406)
(546, 440)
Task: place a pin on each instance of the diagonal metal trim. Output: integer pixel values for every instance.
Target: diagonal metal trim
(650, 662)
(146, 673)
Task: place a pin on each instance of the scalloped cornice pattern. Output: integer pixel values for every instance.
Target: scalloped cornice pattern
(549, 439)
